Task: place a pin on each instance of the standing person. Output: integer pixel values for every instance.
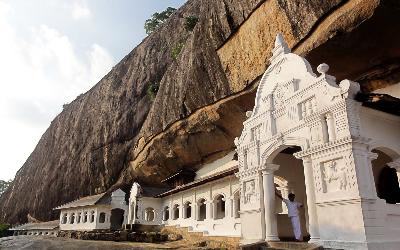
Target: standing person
(293, 213)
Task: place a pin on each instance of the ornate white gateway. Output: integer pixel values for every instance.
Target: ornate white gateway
(296, 109)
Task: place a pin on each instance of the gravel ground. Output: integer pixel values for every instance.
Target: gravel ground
(50, 243)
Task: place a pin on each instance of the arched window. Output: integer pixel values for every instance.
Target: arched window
(85, 217)
(149, 214)
(219, 207)
(64, 219)
(187, 210)
(78, 219)
(166, 213)
(175, 212)
(72, 220)
(92, 217)
(201, 210)
(102, 217)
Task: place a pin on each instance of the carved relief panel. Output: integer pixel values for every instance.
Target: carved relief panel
(334, 175)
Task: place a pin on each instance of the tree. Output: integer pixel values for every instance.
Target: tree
(157, 19)
(4, 185)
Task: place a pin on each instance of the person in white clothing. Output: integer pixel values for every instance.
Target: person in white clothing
(293, 213)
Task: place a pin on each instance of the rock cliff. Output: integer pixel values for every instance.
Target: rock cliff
(117, 132)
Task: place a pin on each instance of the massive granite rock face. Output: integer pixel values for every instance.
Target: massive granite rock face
(116, 132)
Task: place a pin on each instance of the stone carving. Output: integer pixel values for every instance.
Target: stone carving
(335, 176)
(249, 191)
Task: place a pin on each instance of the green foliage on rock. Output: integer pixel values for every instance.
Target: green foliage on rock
(152, 90)
(176, 50)
(190, 22)
(157, 19)
(4, 185)
(4, 230)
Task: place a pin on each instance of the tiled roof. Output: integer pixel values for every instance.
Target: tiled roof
(82, 202)
(201, 181)
(48, 225)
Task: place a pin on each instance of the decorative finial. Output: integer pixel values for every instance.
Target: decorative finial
(281, 47)
(323, 68)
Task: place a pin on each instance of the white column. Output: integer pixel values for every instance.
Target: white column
(271, 229)
(229, 207)
(209, 208)
(331, 127)
(311, 206)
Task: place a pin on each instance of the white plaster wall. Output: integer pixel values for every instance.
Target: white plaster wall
(227, 226)
(87, 225)
(382, 128)
(149, 202)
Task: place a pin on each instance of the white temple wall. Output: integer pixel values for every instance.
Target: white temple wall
(227, 226)
(147, 204)
(82, 225)
(382, 128)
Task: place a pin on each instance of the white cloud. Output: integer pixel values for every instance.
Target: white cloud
(38, 75)
(80, 10)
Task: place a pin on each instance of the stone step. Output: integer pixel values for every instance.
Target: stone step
(282, 245)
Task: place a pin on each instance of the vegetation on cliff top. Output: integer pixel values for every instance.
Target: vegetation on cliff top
(157, 19)
(4, 185)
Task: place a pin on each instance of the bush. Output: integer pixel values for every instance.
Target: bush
(152, 90)
(190, 22)
(176, 50)
(157, 19)
(4, 232)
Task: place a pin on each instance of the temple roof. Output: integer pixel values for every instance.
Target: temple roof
(85, 201)
(382, 102)
(201, 181)
(48, 225)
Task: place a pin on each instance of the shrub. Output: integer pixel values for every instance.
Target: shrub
(4, 232)
(190, 22)
(157, 19)
(176, 50)
(152, 90)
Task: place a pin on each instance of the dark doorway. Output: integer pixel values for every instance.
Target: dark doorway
(388, 185)
(117, 218)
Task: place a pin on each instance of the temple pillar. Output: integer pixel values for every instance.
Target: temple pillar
(209, 210)
(271, 229)
(311, 206)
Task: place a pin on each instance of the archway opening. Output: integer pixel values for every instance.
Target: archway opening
(175, 212)
(117, 218)
(219, 207)
(386, 178)
(102, 217)
(149, 214)
(201, 207)
(289, 178)
(188, 210)
(166, 213)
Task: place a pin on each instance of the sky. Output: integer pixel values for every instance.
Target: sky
(50, 52)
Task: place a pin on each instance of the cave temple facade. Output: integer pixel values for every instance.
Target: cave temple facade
(306, 135)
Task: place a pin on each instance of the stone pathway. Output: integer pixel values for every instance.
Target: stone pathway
(50, 243)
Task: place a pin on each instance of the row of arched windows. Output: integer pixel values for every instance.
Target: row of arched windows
(85, 217)
(218, 211)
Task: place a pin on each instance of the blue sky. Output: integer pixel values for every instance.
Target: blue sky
(53, 50)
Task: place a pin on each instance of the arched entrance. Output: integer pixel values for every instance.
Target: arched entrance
(386, 178)
(289, 178)
(117, 218)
